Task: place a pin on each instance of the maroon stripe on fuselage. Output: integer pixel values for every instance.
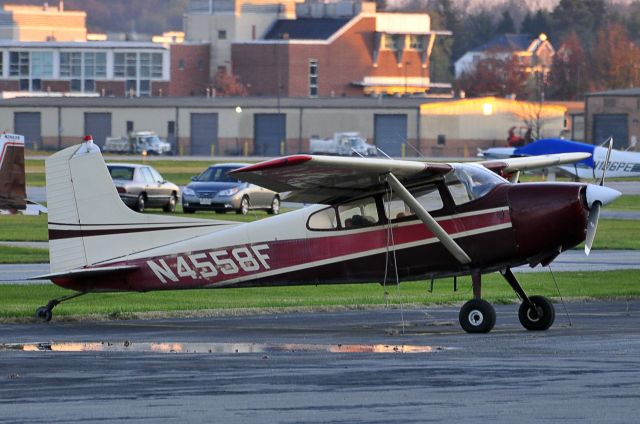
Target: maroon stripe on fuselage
(57, 234)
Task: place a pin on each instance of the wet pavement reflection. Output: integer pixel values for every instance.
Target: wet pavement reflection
(168, 347)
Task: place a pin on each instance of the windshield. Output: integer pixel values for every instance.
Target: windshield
(217, 174)
(468, 182)
(151, 140)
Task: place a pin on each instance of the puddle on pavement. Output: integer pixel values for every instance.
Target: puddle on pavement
(128, 346)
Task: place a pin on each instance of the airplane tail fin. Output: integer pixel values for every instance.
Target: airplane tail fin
(12, 176)
(90, 225)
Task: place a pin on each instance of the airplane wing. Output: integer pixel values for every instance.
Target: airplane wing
(510, 165)
(326, 179)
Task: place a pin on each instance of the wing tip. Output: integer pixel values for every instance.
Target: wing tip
(274, 163)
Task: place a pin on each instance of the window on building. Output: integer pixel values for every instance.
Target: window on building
(222, 34)
(145, 88)
(36, 84)
(388, 42)
(118, 65)
(145, 65)
(313, 77)
(89, 85)
(416, 42)
(610, 102)
(171, 128)
(95, 65)
(1, 63)
(156, 65)
(42, 64)
(200, 65)
(71, 64)
(129, 126)
(76, 84)
(130, 87)
(131, 64)
(19, 64)
(181, 64)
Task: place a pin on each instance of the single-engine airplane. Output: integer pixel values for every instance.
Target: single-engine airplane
(12, 178)
(621, 163)
(373, 218)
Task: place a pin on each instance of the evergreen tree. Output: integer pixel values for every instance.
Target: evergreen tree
(506, 24)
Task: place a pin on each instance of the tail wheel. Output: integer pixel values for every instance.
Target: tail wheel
(140, 203)
(275, 206)
(540, 319)
(477, 316)
(171, 206)
(244, 206)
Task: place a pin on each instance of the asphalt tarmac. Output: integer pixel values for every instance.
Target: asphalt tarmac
(348, 367)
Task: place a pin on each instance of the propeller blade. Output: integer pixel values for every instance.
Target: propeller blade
(606, 161)
(592, 225)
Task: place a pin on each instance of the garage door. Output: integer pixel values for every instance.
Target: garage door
(616, 126)
(269, 131)
(99, 126)
(390, 132)
(204, 134)
(28, 125)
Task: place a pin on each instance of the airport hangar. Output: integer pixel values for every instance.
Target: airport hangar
(269, 126)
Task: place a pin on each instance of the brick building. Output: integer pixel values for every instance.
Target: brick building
(342, 48)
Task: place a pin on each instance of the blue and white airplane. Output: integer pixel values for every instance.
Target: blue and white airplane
(621, 163)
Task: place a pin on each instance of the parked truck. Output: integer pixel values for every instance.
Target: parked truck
(342, 144)
(140, 142)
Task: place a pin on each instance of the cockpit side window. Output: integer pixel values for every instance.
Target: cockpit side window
(359, 213)
(325, 219)
(468, 182)
(428, 196)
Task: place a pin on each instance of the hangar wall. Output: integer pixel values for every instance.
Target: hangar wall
(452, 128)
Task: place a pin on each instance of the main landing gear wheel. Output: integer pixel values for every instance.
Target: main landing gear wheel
(477, 316)
(540, 318)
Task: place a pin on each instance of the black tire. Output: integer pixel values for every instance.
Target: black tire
(140, 203)
(44, 314)
(477, 316)
(275, 206)
(171, 206)
(244, 206)
(544, 318)
(188, 210)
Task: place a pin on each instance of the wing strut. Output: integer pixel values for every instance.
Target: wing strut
(428, 220)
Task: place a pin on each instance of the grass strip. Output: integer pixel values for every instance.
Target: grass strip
(19, 302)
(23, 255)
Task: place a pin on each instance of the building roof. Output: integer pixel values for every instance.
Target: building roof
(632, 92)
(506, 42)
(80, 44)
(305, 28)
(218, 102)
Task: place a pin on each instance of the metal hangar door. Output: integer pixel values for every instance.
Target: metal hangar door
(390, 132)
(28, 124)
(204, 134)
(270, 129)
(616, 126)
(98, 125)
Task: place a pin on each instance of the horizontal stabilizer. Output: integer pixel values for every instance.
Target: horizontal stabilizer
(87, 272)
